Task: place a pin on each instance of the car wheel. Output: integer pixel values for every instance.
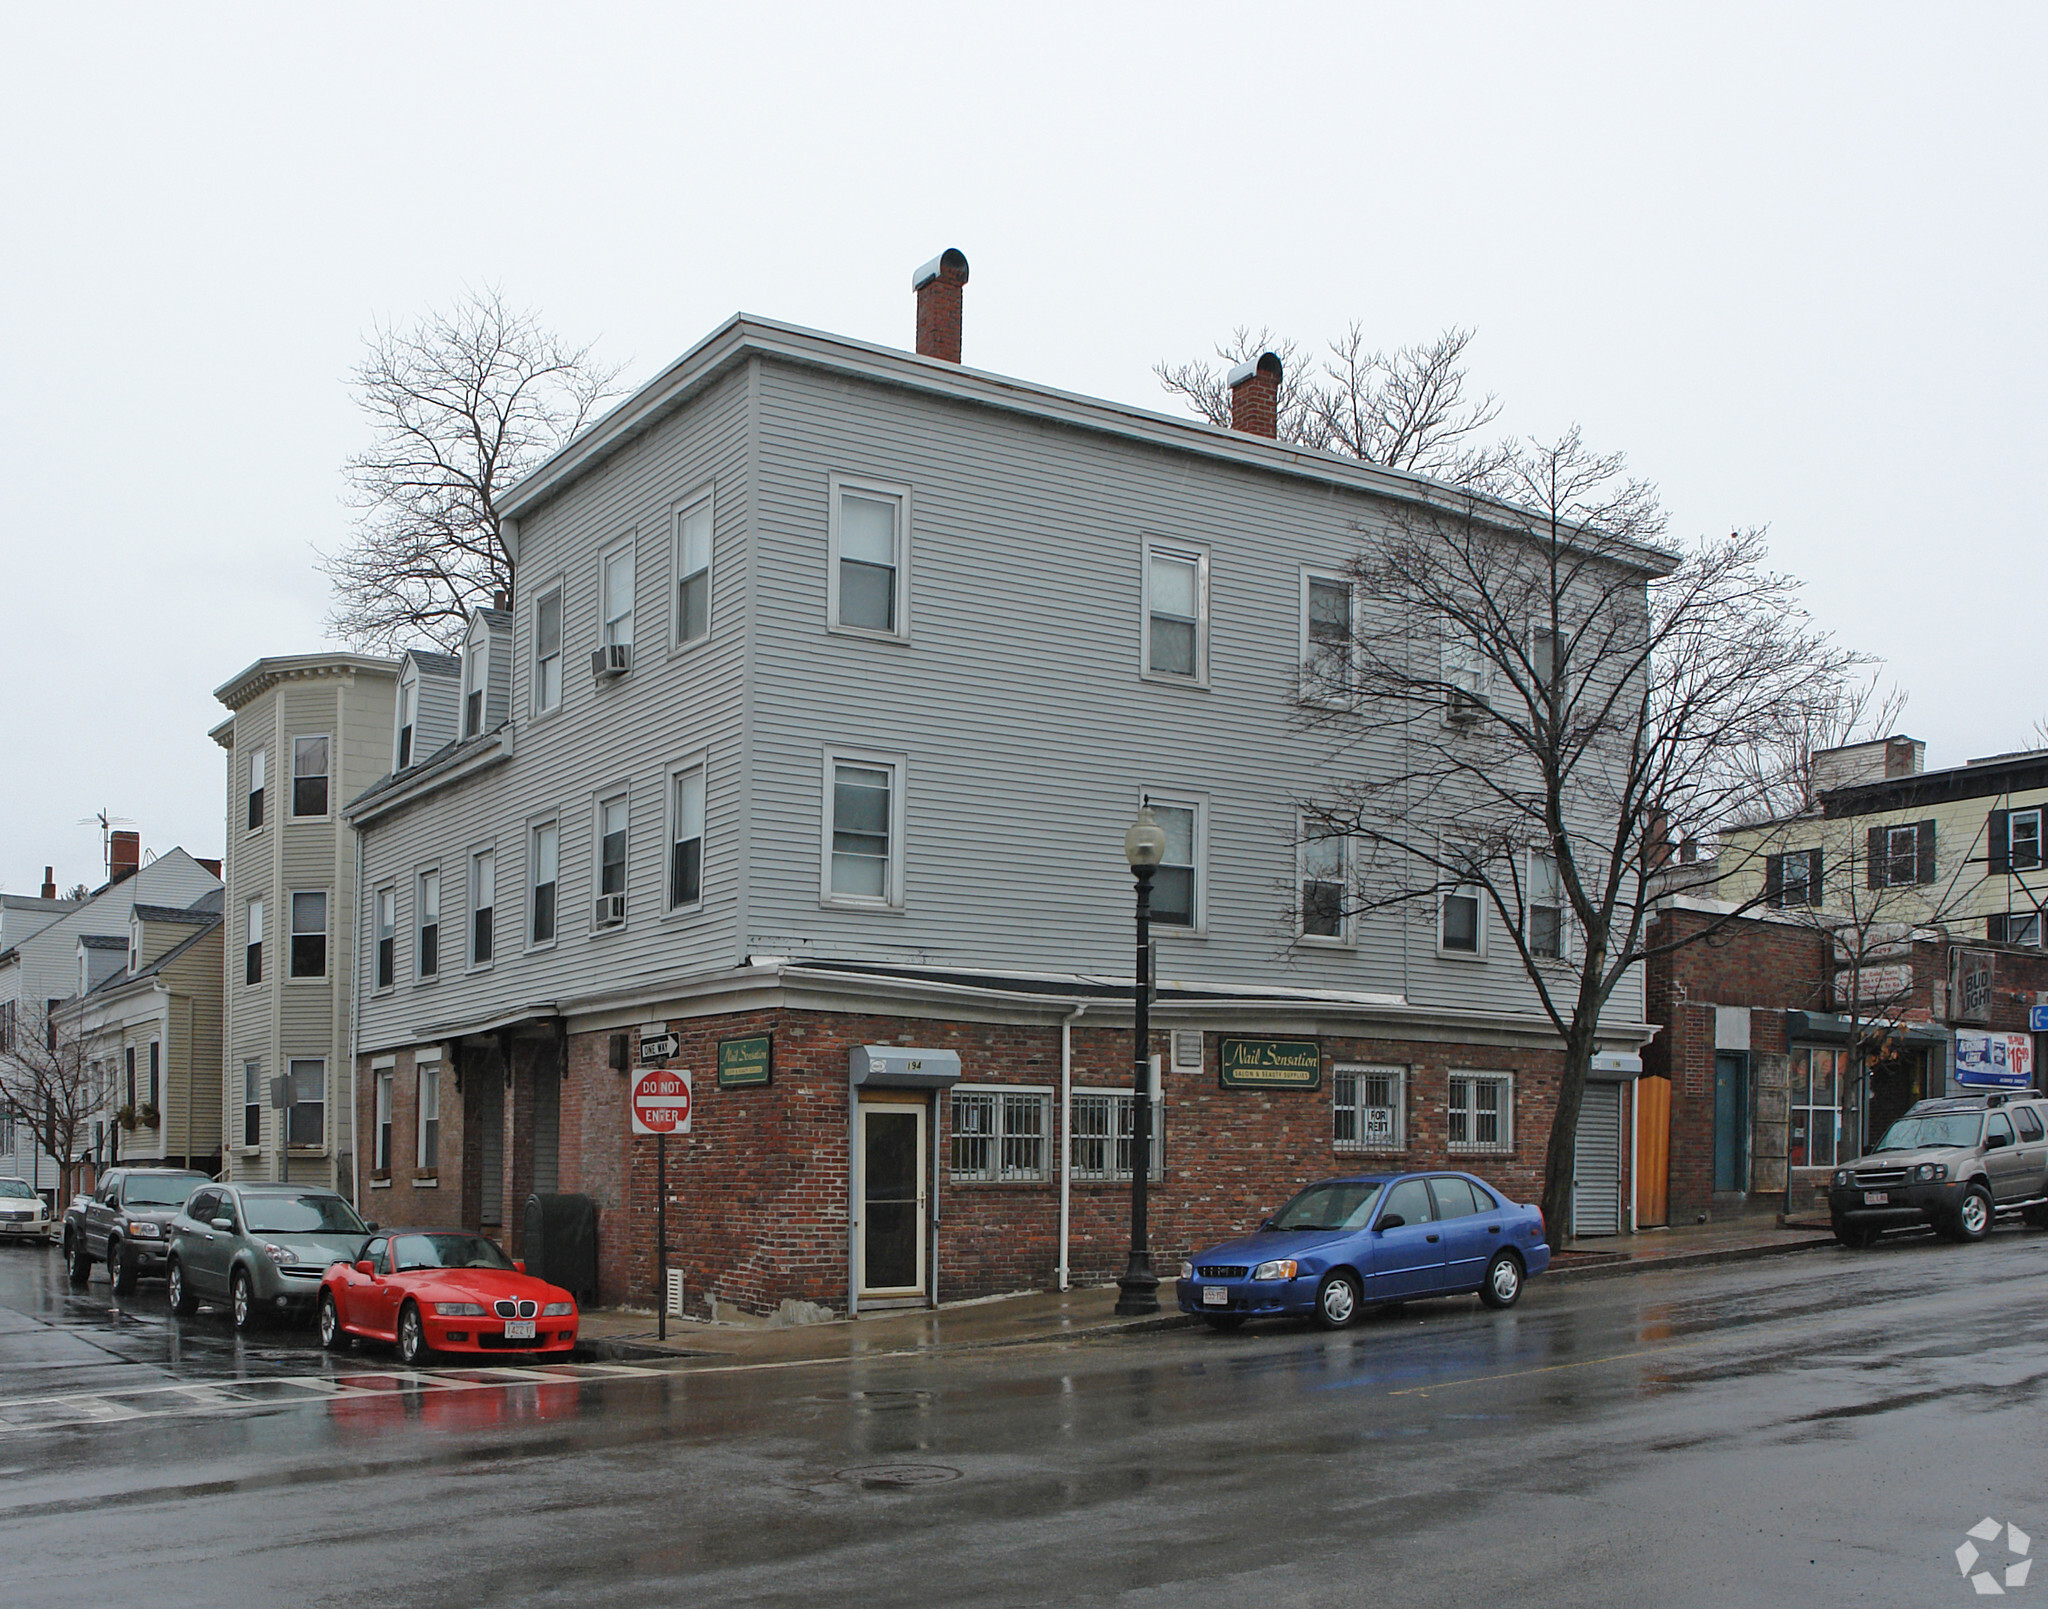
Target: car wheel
(242, 1299)
(1973, 1215)
(1502, 1286)
(412, 1337)
(183, 1302)
(120, 1268)
(1223, 1323)
(80, 1264)
(332, 1335)
(1337, 1301)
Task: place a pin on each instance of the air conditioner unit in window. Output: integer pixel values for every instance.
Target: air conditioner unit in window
(609, 911)
(613, 659)
(1462, 708)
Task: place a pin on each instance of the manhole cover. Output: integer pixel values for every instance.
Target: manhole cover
(899, 1475)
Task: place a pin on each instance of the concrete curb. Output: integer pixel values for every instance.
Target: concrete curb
(1685, 1259)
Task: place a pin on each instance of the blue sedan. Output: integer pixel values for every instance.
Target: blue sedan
(1346, 1243)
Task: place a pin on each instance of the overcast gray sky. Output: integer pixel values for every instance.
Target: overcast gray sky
(1787, 258)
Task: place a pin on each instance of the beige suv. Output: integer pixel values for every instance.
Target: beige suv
(1955, 1164)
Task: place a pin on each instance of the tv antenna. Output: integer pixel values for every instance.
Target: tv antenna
(106, 825)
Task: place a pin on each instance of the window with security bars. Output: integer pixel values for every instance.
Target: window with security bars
(1479, 1111)
(1369, 1111)
(1002, 1136)
(1100, 1141)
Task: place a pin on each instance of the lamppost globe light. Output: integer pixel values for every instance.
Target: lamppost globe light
(1145, 842)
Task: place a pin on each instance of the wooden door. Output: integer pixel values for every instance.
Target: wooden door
(1653, 1151)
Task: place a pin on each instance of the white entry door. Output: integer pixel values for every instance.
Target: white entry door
(892, 1199)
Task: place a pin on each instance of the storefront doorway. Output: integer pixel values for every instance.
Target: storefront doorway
(1731, 1121)
(894, 1197)
(1898, 1078)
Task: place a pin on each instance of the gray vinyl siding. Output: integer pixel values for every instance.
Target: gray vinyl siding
(440, 711)
(623, 736)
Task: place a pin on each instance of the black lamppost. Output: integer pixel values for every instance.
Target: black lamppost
(1144, 844)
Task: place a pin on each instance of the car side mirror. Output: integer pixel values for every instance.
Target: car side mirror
(1268, 1224)
(519, 1263)
(364, 1267)
(223, 1223)
(1996, 1142)
(370, 1224)
(1391, 1220)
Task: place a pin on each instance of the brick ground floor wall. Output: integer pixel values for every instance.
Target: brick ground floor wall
(757, 1191)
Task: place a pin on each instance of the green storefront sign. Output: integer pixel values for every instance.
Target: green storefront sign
(745, 1063)
(1272, 1064)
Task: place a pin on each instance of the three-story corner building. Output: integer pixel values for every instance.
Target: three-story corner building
(307, 733)
(802, 762)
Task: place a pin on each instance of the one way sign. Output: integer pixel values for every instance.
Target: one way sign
(659, 1046)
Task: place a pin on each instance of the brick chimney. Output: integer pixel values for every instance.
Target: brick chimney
(1255, 396)
(1657, 842)
(211, 865)
(124, 855)
(49, 882)
(939, 284)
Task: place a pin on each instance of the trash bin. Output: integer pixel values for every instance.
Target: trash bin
(561, 1243)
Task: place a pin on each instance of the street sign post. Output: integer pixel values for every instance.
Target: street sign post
(660, 1105)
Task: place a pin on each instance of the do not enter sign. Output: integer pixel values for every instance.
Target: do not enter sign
(661, 1102)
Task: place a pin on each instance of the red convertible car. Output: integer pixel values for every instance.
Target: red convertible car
(443, 1290)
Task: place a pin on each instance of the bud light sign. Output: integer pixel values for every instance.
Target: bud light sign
(1994, 1061)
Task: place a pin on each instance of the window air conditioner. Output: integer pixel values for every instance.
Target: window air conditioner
(613, 659)
(609, 911)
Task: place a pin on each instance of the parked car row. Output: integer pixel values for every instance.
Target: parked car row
(294, 1251)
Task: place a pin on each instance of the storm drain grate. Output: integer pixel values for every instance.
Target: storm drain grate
(893, 1477)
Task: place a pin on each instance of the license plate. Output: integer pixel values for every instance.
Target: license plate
(1215, 1296)
(1876, 1198)
(519, 1329)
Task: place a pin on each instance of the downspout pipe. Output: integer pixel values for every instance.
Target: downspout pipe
(1066, 1138)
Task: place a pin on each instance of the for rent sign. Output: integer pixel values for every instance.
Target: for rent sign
(1271, 1064)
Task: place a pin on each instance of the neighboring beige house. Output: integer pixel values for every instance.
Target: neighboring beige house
(154, 1032)
(1960, 849)
(308, 733)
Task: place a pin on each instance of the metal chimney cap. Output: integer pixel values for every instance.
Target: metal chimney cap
(951, 259)
(1264, 363)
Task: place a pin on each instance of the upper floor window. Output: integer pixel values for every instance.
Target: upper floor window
(544, 856)
(1327, 631)
(611, 845)
(428, 902)
(1546, 932)
(1464, 672)
(1460, 928)
(2015, 840)
(686, 838)
(1176, 611)
(380, 1142)
(408, 719)
(1902, 856)
(868, 559)
(306, 1087)
(476, 672)
(1177, 880)
(616, 587)
(693, 571)
(252, 952)
(2014, 927)
(1792, 878)
(387, 936)
(1323, 876)
(309, 776)
(309, 935)
(863, 858)
(255, 789)
(547, 651)
(483, 900)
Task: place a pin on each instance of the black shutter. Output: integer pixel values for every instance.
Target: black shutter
(1813, 877)
(2001, 842)
(1994, 929)
(1774, 879)
(1874, 868)
(1923, 860)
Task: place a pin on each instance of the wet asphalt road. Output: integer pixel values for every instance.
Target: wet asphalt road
(1817, 1428)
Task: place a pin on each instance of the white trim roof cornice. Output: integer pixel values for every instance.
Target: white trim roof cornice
(267, 673)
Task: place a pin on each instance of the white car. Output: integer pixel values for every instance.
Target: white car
(23, 1214)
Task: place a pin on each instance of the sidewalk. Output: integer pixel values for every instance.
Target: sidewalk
(1057, 1315)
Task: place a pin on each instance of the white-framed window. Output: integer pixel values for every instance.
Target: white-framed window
(134, 944)
(1176, 608)
(1902, 856)
(252, 1104)
(1542, 657)
(427, 1109)
(686, 837)
(1792, 878)
(863, 850)
(692, 536)
(427, 909)
(257, 763)
(2014, 927)
(1001, 1136)
(1819, 1076)
(1329, 627)
(1460, 920)
(1177, 881)
(2023, 840)
(869, 583)
(1100, 1144)
(306, 1089)
(387, 936)
(408, 718)
(543, 879)
(1322, 881)
(309, 933)
(613, 814)
(1479, 1112)
(1369, 1108)
(615, 596)
(483, 900)
(1549, 938)
(476, 676)
(1465, 673)
(380, 1136)
(309, 776)
(547, 650)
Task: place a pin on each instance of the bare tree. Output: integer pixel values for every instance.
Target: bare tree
(1536, 692)
(1405, 409)
(1780, 765)
(462, 404)
(46, 1080)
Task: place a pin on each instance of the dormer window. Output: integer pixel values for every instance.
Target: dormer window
(476, 658)
(408, 718)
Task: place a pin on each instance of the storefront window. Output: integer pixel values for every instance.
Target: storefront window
(1818, 1082)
